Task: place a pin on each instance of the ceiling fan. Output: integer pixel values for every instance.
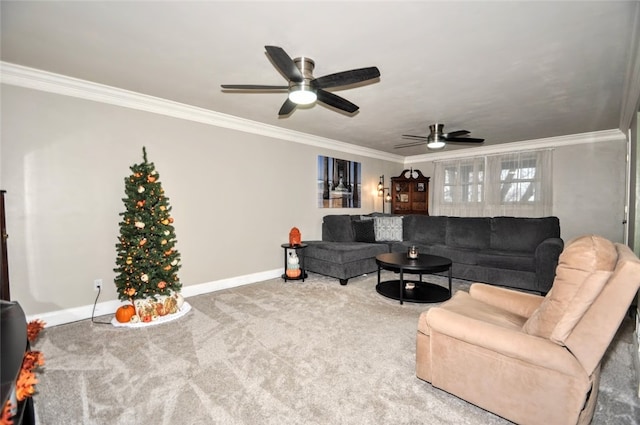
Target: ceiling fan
(437, 139)
(303, 88)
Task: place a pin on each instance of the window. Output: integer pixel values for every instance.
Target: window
(517, 180)
(463, 182)
(517, 184)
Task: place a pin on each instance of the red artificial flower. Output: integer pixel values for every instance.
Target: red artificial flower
(5, 417)
(33, 329)
(27, 379)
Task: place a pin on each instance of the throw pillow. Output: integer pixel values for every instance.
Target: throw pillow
(578, 279)
(388, 229)
(364, 230)
(337, 228)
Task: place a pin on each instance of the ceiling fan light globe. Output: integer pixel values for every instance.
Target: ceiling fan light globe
(302, 95)
(436, 144)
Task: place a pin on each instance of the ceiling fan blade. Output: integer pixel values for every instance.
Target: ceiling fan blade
(464, 140)
(411, 136)
(336, 101)
(252, 87)
(456, 133)
(284, 63)
(408, 145)
(287, 107)
(346, 77)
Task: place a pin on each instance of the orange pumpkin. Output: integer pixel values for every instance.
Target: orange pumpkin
(293, 273)
(125, 313)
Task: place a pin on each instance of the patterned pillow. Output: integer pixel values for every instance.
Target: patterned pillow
(388, 229)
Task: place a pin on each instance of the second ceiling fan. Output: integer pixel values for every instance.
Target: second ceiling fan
(437, 139)
(303, 88)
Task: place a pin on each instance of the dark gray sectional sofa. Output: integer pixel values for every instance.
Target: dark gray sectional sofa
(515, 252)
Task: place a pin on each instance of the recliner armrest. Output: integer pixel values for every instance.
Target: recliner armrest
(503, 341)
(520, 303)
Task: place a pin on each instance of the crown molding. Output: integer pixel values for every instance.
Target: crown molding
(550, 142)
(22, 76)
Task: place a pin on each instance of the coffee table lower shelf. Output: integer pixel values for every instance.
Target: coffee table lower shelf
(422, 292)
(410, 290)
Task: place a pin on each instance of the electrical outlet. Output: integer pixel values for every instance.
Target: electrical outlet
(97, 284)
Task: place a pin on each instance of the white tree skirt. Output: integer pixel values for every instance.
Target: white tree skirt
(161, 319)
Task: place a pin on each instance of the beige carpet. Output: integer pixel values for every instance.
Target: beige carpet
(271, 353)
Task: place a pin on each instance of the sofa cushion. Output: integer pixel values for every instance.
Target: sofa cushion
(468, 232)
(337, 228)
(579, 304)
(463, 304)
(364, 230)
(522, 234)
(506, 260)
(456, 255)
(424, 229)
(583, 269)
(388, 229)
(342, 253)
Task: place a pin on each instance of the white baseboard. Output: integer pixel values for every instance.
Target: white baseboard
(69, 315)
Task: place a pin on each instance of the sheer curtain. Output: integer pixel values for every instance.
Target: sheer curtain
(512, 184)
(459, 187)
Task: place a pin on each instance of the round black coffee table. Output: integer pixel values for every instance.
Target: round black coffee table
(413, 291)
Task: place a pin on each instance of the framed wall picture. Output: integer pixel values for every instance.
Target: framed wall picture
(339, 183)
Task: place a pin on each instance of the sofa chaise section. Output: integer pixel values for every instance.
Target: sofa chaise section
(342, 260)
(344, 251)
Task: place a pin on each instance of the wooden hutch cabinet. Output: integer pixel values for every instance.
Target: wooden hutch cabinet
(410, 193)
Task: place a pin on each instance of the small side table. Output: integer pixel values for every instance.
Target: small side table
(296, 248)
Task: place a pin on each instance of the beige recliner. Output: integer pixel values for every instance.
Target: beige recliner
(527, 358)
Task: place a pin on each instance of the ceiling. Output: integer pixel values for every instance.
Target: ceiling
(506, 71)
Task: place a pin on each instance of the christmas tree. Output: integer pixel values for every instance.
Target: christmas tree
(147, 260)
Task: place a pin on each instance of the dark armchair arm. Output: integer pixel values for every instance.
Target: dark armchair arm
(546, 260)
